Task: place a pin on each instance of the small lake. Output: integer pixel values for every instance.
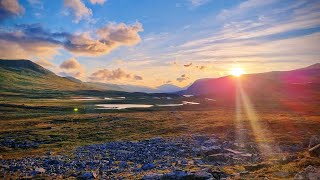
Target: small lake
(127, 106)
(114, 98)
(85, 99)
(168, 105)
(189, 102)
(122, 106)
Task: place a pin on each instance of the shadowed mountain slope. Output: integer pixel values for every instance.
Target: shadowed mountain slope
(299, 83)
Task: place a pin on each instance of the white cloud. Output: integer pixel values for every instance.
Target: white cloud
(78, 9)
(10, 8)
(197, 3)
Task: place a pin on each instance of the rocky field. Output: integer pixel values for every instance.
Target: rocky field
(189, 157)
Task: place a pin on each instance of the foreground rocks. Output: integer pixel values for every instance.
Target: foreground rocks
(191, 157)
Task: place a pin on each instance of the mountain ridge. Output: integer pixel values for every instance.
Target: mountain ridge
(274, 82)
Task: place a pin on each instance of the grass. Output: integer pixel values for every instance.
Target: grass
(56, 124)
(60, 129)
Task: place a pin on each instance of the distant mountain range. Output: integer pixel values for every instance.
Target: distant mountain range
(25, 76)
(165, 88)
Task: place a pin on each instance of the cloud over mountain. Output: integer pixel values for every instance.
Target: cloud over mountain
(109, 75)
(72, 63)
(72, 67)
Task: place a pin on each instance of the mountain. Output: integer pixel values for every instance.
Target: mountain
(166, 88)
(22, 65)
(26, 77)
(169, 88)
(73, 79)
(304, 83)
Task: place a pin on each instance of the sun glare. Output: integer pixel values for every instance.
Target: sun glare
(237, 72)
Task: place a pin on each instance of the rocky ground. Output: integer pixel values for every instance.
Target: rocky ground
(193, 157)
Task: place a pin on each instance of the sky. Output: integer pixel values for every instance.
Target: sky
(155, 42)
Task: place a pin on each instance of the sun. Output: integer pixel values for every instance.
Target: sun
(236, 72)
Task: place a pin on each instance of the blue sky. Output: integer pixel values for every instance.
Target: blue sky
(154, 42)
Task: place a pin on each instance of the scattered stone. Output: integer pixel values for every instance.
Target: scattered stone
(40, 170)
(255, 167)
(310, 173)
(123, 164)
(314, 140)
(217, 157)
(282, 174)
(202, 175)
(148, 166)
(88, 175)
(178, 175)
(153, 177)
(155, 155)
(216, 173)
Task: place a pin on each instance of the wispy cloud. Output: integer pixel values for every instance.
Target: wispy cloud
(259, 37)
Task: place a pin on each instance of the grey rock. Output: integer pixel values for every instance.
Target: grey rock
(88, 175)
(148, 166)
(40, 170)
(202, 175)
(123, 164)
(153, 177)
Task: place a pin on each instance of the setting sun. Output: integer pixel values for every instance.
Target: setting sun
(237, 72)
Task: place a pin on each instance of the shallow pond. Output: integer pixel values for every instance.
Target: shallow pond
(122, 106)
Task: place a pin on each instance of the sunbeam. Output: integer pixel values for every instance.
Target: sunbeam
(261, 133)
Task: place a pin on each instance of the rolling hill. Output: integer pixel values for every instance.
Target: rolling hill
(26, 77)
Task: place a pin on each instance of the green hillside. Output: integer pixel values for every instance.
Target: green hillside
(18, 77)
